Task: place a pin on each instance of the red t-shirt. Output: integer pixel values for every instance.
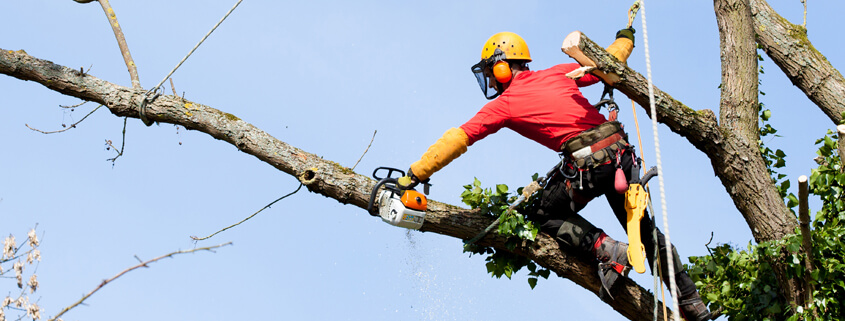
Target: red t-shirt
(544, 106)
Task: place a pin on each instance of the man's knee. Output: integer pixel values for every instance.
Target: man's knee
(577, 233)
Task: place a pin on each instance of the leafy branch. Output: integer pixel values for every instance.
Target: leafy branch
(743, 282)
(498, 202)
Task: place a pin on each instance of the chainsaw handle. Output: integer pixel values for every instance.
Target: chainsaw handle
(374, 192)
(390, 171)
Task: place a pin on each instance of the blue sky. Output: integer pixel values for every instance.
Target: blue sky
(322, 76)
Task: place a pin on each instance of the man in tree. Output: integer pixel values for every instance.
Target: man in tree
(546, 106)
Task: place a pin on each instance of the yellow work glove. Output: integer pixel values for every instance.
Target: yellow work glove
(447, 148)
(622, 47)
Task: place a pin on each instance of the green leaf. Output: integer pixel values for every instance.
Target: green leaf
(828, 142)
(491, 266)
(532, 282)
(502, 189)
(792, 201)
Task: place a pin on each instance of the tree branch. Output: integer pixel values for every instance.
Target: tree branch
(739, 102)
(699, 127)
(121, 42)
(320, 176)
(788, 46)
(142, 264)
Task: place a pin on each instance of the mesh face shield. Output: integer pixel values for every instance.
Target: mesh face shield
(484, 75)
(489, 86)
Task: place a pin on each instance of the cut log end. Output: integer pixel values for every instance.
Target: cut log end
(572, 47)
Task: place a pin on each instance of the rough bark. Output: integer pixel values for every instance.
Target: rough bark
(320, 176)
(738, 108)
(806, 67)
(739, 105)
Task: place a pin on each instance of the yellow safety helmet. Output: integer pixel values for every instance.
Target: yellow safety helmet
(500, 47)
(510, 43)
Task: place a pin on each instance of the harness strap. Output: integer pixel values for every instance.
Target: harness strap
(606, 142)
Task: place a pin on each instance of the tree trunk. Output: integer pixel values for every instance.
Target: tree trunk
(320, 176)
(739, 107)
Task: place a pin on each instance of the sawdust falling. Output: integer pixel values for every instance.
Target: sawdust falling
(430, 298)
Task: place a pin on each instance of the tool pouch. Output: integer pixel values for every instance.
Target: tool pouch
(595, 146)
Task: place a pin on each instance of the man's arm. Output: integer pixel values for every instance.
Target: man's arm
(453, 143)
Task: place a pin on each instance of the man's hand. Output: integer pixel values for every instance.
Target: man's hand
(626, 33)
(408, 182)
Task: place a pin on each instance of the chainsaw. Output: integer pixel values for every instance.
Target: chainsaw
(396, 206)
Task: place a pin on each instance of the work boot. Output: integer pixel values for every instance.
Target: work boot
(693, 309)
(613, 262)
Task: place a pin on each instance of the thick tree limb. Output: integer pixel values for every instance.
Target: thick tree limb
(320, 176)
(738, 108)
(788, 46)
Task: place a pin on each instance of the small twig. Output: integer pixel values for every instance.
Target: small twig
(365, 151)
(805, 14)
(121, 42)
(717, 313)
(67, 128)
(122, 143)
(74, 106)
(708, 244)
(249, 217)
(142, 264)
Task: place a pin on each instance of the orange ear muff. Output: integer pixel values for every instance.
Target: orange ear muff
(502, 72)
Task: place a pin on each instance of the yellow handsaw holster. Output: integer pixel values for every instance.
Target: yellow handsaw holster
(635, 204)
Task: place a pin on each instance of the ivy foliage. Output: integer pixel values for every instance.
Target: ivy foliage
(496, 202)
(743, 283)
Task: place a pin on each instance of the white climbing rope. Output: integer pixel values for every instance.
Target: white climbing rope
(673, 287)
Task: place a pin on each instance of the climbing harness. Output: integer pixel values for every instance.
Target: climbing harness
(147, 99)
